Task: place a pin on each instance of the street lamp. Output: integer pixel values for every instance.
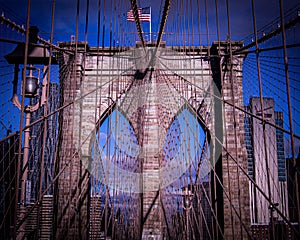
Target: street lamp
(187, 203)
(31, 85)
(37, 55)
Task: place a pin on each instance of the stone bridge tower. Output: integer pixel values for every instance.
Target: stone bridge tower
(95, 81)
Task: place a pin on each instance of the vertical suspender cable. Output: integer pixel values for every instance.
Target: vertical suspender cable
(223, 109)
(46, 111)
(163, 22)
(263, 117)
(234, 112)
(83, 179)
(20, 173)
(73, 93)
(207, 26)
(106, 187)
(290, 110)
(199, 25)
(135, 12)
(95, 195)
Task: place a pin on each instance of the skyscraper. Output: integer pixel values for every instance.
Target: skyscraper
(42, 150)
(292, 200)
(49, 146)
(8, 170)
(266, 161)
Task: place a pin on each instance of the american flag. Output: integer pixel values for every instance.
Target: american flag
(144, 15)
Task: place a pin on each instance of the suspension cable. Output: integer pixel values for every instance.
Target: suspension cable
(288, 90)
(135, 11)
(163, 22)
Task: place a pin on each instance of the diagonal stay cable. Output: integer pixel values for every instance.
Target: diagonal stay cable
(273, 33)
(60, 108)
(161, 29)
(56, 176)
(249, 178)
(22, 30)
(240, 109)
(137, 20)
(163, 22)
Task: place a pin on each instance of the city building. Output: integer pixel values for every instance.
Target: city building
(266, 162)
(292, 200)
(8, 170)
(42, 227)
(36, 144)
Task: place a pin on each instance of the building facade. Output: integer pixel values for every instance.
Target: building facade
(36, 144)
(266, 160)
(8, 170)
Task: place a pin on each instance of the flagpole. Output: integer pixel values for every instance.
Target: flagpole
(150, 24)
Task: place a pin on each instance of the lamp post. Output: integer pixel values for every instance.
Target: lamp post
(31, 91)
(187, 200)
(37, 55)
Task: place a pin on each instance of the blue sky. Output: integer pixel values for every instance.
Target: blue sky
(240, 17)
(65, 16)
(116, 148)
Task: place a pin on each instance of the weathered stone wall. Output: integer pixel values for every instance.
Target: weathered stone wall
(236, 184)
(101, 80)
(71, 198)
(90, 86)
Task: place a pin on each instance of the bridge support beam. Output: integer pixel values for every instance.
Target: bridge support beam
(231, 199)
(230, 193)
(71, 218)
